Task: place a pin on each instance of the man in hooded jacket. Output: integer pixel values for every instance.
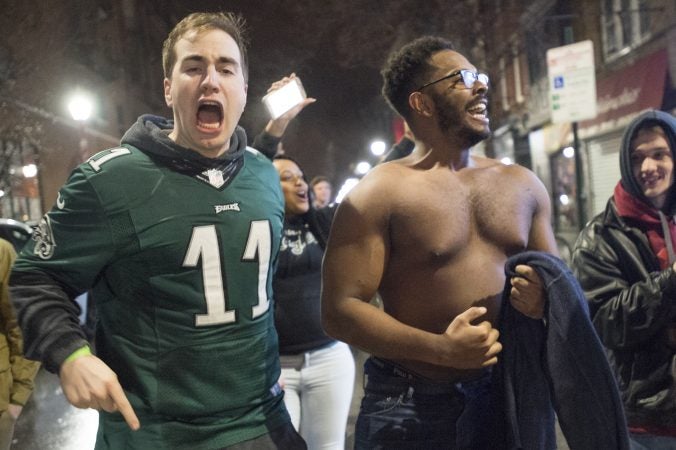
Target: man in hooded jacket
(626, 264)
(176, 233)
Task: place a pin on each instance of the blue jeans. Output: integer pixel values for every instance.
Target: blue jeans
(402, 411)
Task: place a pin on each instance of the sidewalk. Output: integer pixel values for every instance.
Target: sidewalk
(49, 422)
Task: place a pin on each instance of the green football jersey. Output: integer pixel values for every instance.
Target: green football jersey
(181, 272)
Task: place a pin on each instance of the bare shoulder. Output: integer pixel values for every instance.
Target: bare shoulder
(510, 180)
(373, 198)
(515, 172)
(378, 185)
(526, 176)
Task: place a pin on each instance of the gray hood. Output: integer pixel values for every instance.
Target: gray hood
(649, 118)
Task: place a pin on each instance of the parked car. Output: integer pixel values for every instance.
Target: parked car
(16, 232)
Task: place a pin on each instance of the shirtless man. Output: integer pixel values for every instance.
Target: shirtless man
(431, 233)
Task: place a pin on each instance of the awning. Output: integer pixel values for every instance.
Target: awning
(624, 94)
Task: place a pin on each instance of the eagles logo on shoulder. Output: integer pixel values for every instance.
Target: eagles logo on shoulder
(44, 239)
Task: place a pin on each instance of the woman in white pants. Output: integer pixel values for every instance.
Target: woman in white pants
(317, 371)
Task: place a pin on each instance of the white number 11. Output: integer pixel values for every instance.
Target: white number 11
(204, 246)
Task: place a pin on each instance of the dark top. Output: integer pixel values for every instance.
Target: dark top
(297, 281)
(296, 285)
(560, 365)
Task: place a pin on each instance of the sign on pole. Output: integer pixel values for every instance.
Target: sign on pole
(572, 82)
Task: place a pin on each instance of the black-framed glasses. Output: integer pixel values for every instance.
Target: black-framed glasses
(468, 78)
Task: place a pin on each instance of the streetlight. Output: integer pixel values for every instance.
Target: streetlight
(564, 199)
(29, 170)
(80, 107)
(362, 168)
(378, 147)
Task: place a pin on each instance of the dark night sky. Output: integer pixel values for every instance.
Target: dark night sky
(335, 131)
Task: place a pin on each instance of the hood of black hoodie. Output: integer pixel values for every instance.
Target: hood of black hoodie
(150, 134)
(650, 118)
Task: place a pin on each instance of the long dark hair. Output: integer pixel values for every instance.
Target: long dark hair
(311, 218)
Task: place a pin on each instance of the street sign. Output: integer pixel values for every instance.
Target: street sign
(572, 82)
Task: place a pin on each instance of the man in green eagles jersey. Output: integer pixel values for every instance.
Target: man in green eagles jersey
(175, 233)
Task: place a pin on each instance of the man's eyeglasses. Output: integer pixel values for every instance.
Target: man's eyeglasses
(468, 78)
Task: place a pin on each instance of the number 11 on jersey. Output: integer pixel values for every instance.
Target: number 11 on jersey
(204, 246)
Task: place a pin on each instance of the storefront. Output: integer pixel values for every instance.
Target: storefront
(621, 97)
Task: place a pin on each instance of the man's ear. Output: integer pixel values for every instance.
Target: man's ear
(420, 103)
(167, 92)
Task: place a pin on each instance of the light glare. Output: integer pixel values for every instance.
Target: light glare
(564, 199)
(378, 147)
(29, 170)
(345, 188)
(362, 168)
(80, 107)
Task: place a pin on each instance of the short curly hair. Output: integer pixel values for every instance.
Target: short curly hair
(231, 23)
(408, 68)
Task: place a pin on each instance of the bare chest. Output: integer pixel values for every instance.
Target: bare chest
(439, 218)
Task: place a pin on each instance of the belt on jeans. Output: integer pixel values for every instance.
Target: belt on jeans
(419, 384)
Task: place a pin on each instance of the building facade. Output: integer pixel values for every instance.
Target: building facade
(634, 44)
(51, 52)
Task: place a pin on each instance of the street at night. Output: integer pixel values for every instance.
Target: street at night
(472, 201)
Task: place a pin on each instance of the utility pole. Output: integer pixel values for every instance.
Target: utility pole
(580, 191)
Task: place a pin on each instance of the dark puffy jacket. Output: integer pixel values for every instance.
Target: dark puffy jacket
(632, 304)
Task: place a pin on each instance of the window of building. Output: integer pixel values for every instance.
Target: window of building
(19, 180)
(553, 28)
(516, 63)
(625, 24)
(503, 85)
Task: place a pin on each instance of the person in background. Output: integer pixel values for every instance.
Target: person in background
(16, 372)
(431, 233)
(317, 370)
(176, 232)
(322, 190)
(625, 260)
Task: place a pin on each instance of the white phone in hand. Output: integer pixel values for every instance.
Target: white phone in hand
(283, 99)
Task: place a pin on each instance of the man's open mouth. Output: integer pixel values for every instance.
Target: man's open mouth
(478, 110)
(209, 115)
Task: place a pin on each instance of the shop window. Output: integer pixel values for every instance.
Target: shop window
(19, 180)
(564, 189)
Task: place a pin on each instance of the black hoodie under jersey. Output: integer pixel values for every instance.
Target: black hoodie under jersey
(150, 134)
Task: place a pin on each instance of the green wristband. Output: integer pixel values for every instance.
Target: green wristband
(82, 351)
